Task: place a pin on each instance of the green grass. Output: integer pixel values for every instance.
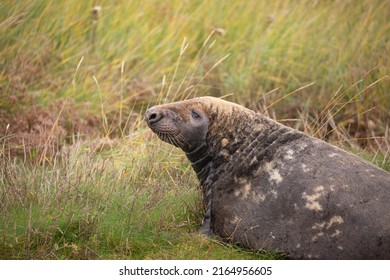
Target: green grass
(277, 44)
(320, 66)
(118, 203)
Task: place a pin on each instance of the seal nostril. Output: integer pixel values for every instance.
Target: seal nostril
(152, 117)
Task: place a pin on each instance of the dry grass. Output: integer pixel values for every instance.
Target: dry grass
(105, 199)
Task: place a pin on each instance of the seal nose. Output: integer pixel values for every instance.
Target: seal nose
(153, 115)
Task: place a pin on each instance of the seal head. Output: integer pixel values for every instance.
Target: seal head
(184, 127)
(187, 125)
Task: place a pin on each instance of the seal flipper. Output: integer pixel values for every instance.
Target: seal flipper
(205, 229)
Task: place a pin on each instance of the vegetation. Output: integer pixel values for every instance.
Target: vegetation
(80, 174)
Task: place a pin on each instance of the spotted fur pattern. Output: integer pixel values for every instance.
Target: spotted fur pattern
(270, 187)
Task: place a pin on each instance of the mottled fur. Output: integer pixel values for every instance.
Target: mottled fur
(270, 187)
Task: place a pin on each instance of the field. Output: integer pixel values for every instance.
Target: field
(82, 177)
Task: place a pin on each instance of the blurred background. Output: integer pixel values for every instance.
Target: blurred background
(303, 61)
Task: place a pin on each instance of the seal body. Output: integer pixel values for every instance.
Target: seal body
(270, 187)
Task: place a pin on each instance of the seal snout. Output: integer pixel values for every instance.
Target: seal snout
(153, 115)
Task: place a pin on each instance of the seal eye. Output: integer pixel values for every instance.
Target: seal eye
(195, 115)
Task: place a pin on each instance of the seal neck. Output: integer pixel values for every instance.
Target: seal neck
(200, 160)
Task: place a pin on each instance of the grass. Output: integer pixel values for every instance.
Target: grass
(118, 203)
(81, 177)
(277, 46)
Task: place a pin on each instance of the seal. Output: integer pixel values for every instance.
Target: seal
(271, 187)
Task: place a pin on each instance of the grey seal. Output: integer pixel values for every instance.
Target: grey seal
(271, 187)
